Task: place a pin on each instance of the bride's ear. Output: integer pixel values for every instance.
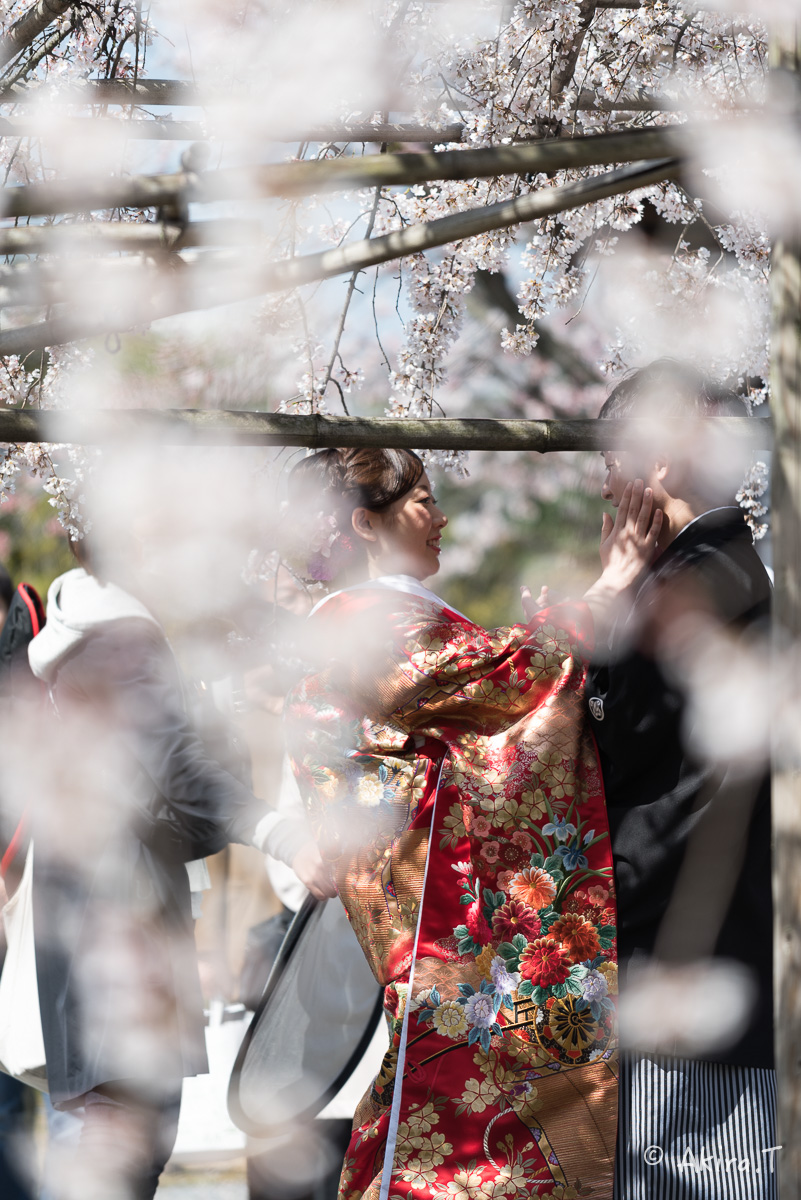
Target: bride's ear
(363, 522)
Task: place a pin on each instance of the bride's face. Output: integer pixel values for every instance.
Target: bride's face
(405, 538)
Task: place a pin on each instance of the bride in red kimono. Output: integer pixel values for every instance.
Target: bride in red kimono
(455, 790)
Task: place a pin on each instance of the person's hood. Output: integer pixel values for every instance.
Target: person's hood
(77, 604)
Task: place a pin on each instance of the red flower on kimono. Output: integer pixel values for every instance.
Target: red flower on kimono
(477, 925)
(545, 962)
(577, 935)
(514, 917)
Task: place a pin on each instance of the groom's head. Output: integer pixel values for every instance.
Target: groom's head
(678, 455)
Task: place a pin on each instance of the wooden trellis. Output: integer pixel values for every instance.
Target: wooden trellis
(238, 278)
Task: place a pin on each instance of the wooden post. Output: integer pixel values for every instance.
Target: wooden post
(786, 504)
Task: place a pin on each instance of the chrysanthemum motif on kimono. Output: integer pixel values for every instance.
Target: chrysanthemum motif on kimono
(509, 1080)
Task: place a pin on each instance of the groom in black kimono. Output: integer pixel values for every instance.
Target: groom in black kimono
(689, 813)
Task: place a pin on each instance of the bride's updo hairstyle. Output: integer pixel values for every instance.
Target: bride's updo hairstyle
(326, 488)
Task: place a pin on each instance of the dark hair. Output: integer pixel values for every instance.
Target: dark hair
(668, 387)
(360, 477)
(6, 588)
(325, 490)
(674, 397)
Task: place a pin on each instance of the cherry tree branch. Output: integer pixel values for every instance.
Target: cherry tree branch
(26, 66)
(329, 371)
(30, 25)
(564, 72)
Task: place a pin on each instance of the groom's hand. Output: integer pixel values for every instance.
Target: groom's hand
(628, 544)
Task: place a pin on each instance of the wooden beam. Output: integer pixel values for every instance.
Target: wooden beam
(379, 170)
(177, 93)
(152, 92)
(144, 128)
(40, 126)
(193, 426)
(156, 130)
(367, 132)
(646, 102)
(143, 299)
(100, 237)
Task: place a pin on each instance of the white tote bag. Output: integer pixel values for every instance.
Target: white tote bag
(21, 1043)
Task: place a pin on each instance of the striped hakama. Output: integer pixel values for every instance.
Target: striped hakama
(695, 1131)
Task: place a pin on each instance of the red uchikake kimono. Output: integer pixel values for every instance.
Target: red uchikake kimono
(454, 785)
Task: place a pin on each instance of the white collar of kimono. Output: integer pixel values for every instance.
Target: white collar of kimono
(393, 583)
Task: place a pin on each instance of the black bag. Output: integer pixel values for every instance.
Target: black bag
(25, 618)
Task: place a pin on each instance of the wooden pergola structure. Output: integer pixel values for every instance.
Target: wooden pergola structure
(635, 159)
